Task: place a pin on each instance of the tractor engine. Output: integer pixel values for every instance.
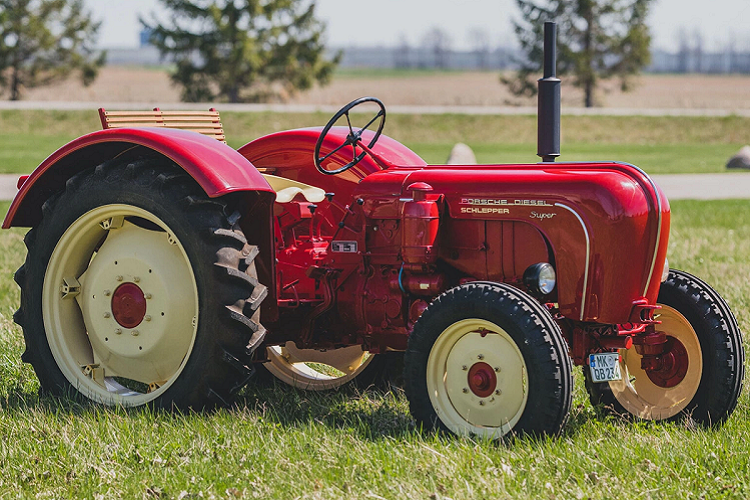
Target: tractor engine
(322, 261)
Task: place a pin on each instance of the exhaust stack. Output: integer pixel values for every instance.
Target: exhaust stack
(548, 128)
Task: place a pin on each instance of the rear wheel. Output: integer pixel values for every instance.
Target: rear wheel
(703, 378)
(488, 360)
(137, 289)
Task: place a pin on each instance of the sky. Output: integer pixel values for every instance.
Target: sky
(385, 22)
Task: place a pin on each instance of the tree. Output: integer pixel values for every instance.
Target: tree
(402, 56)
(480, 43)
(438, 41)
(597, 40)
(42, 41)
(243, 50)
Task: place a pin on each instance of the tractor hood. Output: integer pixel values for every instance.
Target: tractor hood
(594, 217)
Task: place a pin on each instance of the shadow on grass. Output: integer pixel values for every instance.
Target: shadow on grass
(371, 414)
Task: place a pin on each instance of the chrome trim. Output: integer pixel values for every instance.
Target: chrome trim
(588, 255)
(658, 227)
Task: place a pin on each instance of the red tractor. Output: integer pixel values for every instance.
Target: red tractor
(163, 266)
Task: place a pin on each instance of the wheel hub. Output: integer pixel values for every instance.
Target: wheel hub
(482, 372)
(666, 382)
(482, 379)
(129, 305)
(134, 297)
(669, 368)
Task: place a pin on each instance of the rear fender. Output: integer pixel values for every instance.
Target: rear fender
(216, 167)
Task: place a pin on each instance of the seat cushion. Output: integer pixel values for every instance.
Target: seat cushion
(287, 189)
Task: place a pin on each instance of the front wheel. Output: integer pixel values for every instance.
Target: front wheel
(137, 289)
(704, 376)
(488, 360)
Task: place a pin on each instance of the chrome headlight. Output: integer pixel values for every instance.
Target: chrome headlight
(540, 278)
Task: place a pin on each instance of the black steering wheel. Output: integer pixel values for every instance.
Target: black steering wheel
(353, 137)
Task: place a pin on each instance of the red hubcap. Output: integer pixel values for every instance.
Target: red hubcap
(128, 305)
(671, 366)
(482, 380)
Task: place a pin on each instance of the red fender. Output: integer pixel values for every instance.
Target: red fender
(218, 168)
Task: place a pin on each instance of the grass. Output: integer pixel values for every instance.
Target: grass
(281, 443)
(657, 144)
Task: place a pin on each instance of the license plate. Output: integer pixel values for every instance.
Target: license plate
(605, 366)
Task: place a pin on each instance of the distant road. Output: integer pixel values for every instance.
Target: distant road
(675, 186)
(395, 109)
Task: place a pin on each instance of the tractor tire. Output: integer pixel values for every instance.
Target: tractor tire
(312, 370)
(707, 388)
(488, 360)
(139, 290)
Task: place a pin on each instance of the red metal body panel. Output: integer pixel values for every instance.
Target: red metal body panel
(290, 154)
(218, 168)
(591, 220)
(596, 217)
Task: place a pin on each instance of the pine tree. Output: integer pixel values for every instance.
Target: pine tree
(42, 41)
(597, 40)
(243, 50)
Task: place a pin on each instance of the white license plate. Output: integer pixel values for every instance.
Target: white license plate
(605, 366)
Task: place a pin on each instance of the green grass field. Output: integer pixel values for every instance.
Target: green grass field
(281, 443)
(657, 144)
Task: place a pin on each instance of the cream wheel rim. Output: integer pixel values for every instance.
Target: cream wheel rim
(102, 250)
(642, 397)
(316, 370)
(489, 409)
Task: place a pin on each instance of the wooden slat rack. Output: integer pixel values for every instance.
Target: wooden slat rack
(204, 122)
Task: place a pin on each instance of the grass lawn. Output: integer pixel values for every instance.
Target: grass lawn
(281, 443)
(656, 144)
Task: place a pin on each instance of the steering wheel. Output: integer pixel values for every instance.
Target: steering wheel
(353, 138)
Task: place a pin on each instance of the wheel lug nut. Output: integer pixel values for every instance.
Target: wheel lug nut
(464, 368)
(107, 315)
(147, 318)
(118, 278)
(107, 293)
(498, 392)
(481, 356)
(481, 403)
(497, 368)
(464, 390)
(135, 333)
(147, 295)
(136, 279)
(118, 331)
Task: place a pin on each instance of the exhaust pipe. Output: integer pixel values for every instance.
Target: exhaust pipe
(548, 115)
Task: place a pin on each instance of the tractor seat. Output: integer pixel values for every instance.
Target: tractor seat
(287, 189)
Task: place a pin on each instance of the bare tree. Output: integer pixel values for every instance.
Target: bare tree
(401, 58)
(439, 42)
(480, 44)
(683, 53)
(731, 51)
(698, 50)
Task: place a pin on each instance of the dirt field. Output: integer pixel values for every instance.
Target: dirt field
(119, 84)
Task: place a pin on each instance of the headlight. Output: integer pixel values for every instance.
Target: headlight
(665, 272)
(540, 278)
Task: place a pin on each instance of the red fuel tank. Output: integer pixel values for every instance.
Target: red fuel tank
(419, 227)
